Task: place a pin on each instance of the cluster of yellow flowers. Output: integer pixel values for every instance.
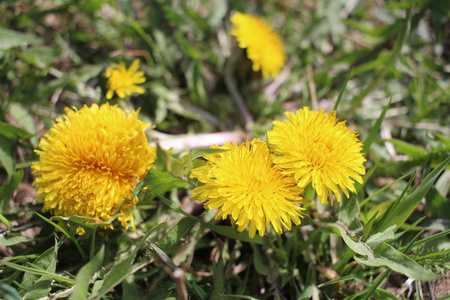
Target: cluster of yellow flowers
(92, 158)
(260, 184)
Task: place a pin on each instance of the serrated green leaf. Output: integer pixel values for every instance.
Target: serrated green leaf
(80, 289)
(388, 256)
(376, 253)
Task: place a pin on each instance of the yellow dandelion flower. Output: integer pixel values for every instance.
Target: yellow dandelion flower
(90, 162)
(264, 46)
(245, 184)
(124, 82)
(315, 148)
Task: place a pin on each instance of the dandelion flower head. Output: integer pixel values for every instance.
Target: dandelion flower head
(124, 81)
(244, 183)
(90, 162)
(264, 46)
(315, 148)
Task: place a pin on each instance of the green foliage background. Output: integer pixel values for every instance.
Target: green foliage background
(385, 62)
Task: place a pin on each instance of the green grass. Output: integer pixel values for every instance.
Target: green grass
(384, 65)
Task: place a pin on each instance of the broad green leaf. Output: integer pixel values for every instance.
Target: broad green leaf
(375, 129)
(167, 161)
(24, 118)
(80, 289)
(223, 230)
(10, 39)
(188, 159)
(400, 213)
(6, 155)
(36, 286)
(86, 72)
(176, 233)
(10, 240)
(122, 270)
(7, 190)
(348, 214)
(159, 182)
(12, 132)
(259, 261)
(132, 290)
(41, 56)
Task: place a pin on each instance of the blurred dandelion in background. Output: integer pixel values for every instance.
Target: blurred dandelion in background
(123, 81)
(264, 46)
(315, 148)
(244, 183)
(90, 162)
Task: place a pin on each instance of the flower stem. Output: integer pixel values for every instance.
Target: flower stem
(231, 86)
